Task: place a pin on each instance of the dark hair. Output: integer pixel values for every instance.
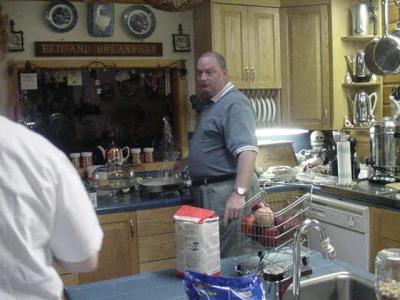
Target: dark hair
(4, 30)
(218, 56)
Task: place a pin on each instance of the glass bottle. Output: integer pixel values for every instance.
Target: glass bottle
(387, 274)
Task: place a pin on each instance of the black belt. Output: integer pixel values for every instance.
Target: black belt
(213, 179)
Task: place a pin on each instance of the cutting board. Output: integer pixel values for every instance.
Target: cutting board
(277, 153)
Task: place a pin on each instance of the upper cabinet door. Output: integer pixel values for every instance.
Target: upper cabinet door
(230, 39)
(305, 65)
(264, 47)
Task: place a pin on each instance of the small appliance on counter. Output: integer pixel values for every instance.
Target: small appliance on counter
(384, 150)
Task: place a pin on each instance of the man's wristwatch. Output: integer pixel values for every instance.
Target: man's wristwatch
(241, 191)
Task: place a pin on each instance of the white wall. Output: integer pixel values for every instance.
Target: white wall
(29, 17)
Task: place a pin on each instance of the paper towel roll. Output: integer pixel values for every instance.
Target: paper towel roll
(344, 163)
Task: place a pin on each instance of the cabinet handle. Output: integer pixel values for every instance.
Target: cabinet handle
(132, 222)
(326, 116)
(252, 73)
(246, 73)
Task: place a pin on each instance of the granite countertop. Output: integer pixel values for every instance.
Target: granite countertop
(362, 192)
(365, 192)
(135, 201)
(165, 285)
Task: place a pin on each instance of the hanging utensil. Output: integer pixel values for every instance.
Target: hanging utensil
(382, 55)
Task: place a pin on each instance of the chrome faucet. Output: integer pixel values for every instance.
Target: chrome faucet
(327, 250)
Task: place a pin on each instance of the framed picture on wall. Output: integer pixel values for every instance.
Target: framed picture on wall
(181, 42)
(16, 42)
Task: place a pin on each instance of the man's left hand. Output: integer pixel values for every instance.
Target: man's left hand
(232, 207)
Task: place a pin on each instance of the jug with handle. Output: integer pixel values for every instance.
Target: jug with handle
(362, 107)
(115, 154)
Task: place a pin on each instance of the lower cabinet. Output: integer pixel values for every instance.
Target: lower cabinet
(156, 239)
(385, 228)
(140, 241)
(119, 254)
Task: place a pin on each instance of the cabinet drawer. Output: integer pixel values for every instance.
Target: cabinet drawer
(156, 247)
(156, 221)
(157, 265)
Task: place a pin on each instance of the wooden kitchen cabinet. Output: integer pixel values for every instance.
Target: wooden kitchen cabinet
(156, 239)
(248, 36)
(385, 228)
(306, 67)
(119, 253)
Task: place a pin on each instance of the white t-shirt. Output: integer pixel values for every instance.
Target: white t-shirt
(44, 212)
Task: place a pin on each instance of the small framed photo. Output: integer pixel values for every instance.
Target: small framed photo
(181, 42)
(16, 42)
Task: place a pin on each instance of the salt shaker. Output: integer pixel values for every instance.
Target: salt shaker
(148, 155)
(75, 159)
(387, 274)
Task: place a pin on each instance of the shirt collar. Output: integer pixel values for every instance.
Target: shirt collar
(226, 88)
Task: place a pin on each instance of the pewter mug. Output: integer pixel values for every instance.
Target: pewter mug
(360, 19)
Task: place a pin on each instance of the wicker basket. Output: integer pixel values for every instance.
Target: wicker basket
(173, 5)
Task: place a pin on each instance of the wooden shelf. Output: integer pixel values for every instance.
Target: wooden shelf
(358, 38)
(361, 84)
(359, 129)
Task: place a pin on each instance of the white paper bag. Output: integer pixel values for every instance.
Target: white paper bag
(197, 241)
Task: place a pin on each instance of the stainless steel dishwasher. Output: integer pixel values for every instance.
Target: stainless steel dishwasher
(347, 225)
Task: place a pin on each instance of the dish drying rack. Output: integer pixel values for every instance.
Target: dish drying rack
(267, 250)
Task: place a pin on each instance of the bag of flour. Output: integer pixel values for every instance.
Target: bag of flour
(197, 241)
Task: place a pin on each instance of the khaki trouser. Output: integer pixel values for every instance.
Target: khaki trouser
(213, 196)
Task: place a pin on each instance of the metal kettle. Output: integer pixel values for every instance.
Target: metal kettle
(363, 107)
(357, 67)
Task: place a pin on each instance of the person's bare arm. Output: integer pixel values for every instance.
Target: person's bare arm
(245, 169)
(87, 265)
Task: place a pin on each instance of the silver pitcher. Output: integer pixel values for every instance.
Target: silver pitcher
(360, 19)
(363, 107)
(357, 67)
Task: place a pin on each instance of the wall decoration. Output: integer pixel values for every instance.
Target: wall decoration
(63, 49)
(181, 41)
(16, 42)
(140, 21)
(100, 19)
(61, 15)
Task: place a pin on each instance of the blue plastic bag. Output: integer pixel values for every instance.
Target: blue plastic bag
(205, 287)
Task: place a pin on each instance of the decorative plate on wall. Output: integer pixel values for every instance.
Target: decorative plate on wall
(140, 21)
(100, 19)
(61, 15)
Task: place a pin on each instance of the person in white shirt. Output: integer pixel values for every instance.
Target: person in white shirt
(45, 213)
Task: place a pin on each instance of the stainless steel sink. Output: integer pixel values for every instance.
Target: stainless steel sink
(335, 286)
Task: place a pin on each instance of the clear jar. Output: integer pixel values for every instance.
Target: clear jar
(135, 154)
(387, 274)
(75, 159)
(86, 159)
(148, 155)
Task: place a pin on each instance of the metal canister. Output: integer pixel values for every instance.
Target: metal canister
(385, 150)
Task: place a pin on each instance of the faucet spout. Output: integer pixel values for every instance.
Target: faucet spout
(327, 249)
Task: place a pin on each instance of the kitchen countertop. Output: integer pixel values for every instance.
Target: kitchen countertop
(165, 285)
(363, 192)
(134, 201)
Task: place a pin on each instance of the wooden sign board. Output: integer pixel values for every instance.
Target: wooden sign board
(43, 49)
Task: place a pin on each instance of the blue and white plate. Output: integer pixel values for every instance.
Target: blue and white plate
(61, 15)
(140, 21)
